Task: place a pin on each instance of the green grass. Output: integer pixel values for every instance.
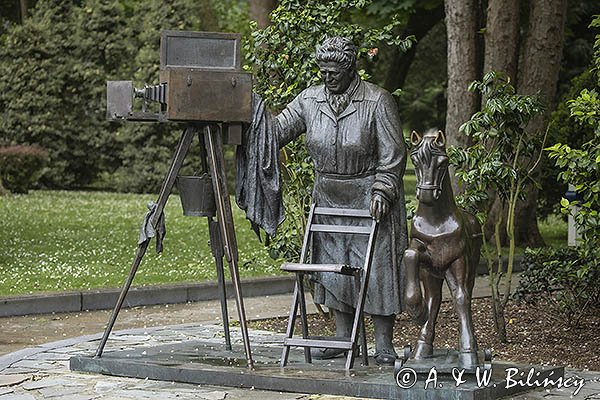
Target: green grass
(410, 186)
(57, 241)
(554, 230)
(60, 241)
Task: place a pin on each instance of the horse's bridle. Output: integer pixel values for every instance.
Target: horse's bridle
(435, 186)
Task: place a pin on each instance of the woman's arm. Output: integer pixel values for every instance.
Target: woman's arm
(290, 123)
(391, 153)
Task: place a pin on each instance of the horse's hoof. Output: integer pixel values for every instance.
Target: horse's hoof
(468, 360)
(385, 357)
(423, 350)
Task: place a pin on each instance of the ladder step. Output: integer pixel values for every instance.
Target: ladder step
(332, 344)
(343, 212)
(348, 229)
(307, 268)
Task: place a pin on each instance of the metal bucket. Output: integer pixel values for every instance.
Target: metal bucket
(197, 196)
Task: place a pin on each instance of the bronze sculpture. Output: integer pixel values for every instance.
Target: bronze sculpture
(354, 137)
(445, 244)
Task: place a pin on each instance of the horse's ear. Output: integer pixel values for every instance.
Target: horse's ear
(415, 138)
(440, 138)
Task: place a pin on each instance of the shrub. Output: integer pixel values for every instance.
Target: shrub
(21, 166)
(53, 68)
(564, 280)
(568, 278)
(581, 166)
(562, 129)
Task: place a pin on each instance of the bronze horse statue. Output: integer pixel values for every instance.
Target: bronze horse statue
(444, 245)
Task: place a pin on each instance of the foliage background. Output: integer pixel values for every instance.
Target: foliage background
(54, 64)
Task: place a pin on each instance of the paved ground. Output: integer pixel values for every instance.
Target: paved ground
(41, 371)
(50, 327)
(45, 328)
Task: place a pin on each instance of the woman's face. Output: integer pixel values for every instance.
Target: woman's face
(336, 79)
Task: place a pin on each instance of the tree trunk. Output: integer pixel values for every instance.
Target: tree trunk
(501, 54)
(461, 26)
(419, 24)
(260, 10)
(538, 74)
(24, 8)
(500, 321)
(502, 38)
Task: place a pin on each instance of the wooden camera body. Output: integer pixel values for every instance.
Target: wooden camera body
(201, 80)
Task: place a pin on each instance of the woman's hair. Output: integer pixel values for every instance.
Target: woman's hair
(338, 49)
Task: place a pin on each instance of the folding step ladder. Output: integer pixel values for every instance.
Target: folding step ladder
(361, 274)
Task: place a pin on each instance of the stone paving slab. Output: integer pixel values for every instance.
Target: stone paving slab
(45, 329)
(21, 396)
(13, 379)
(60, 383)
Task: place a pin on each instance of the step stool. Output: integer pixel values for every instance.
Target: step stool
(361, 274)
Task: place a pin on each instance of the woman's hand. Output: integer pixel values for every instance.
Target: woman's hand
(379, 207)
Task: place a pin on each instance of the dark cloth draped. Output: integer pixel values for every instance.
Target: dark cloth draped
(147, 231)
(258, 184)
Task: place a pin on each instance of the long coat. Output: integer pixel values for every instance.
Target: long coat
(356, 154)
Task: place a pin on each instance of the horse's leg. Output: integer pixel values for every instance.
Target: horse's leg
(433, 298)
(413, 298)
(460, 278)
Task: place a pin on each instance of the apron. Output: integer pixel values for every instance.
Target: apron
(340, 292)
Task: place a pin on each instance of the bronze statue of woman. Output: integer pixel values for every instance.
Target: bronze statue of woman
(354, 137)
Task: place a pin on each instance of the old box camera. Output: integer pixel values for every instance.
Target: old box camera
(201, 80)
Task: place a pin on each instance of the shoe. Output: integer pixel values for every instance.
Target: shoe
(321, 353)
(385, 357)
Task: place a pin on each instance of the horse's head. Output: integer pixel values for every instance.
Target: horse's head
(429, 157)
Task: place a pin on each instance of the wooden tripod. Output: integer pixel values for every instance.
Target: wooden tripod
(222, 232)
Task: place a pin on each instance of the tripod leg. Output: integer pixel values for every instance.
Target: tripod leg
(182, 148)
(217, 250)
(216, 246)
(134, 266)
(213, 144)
